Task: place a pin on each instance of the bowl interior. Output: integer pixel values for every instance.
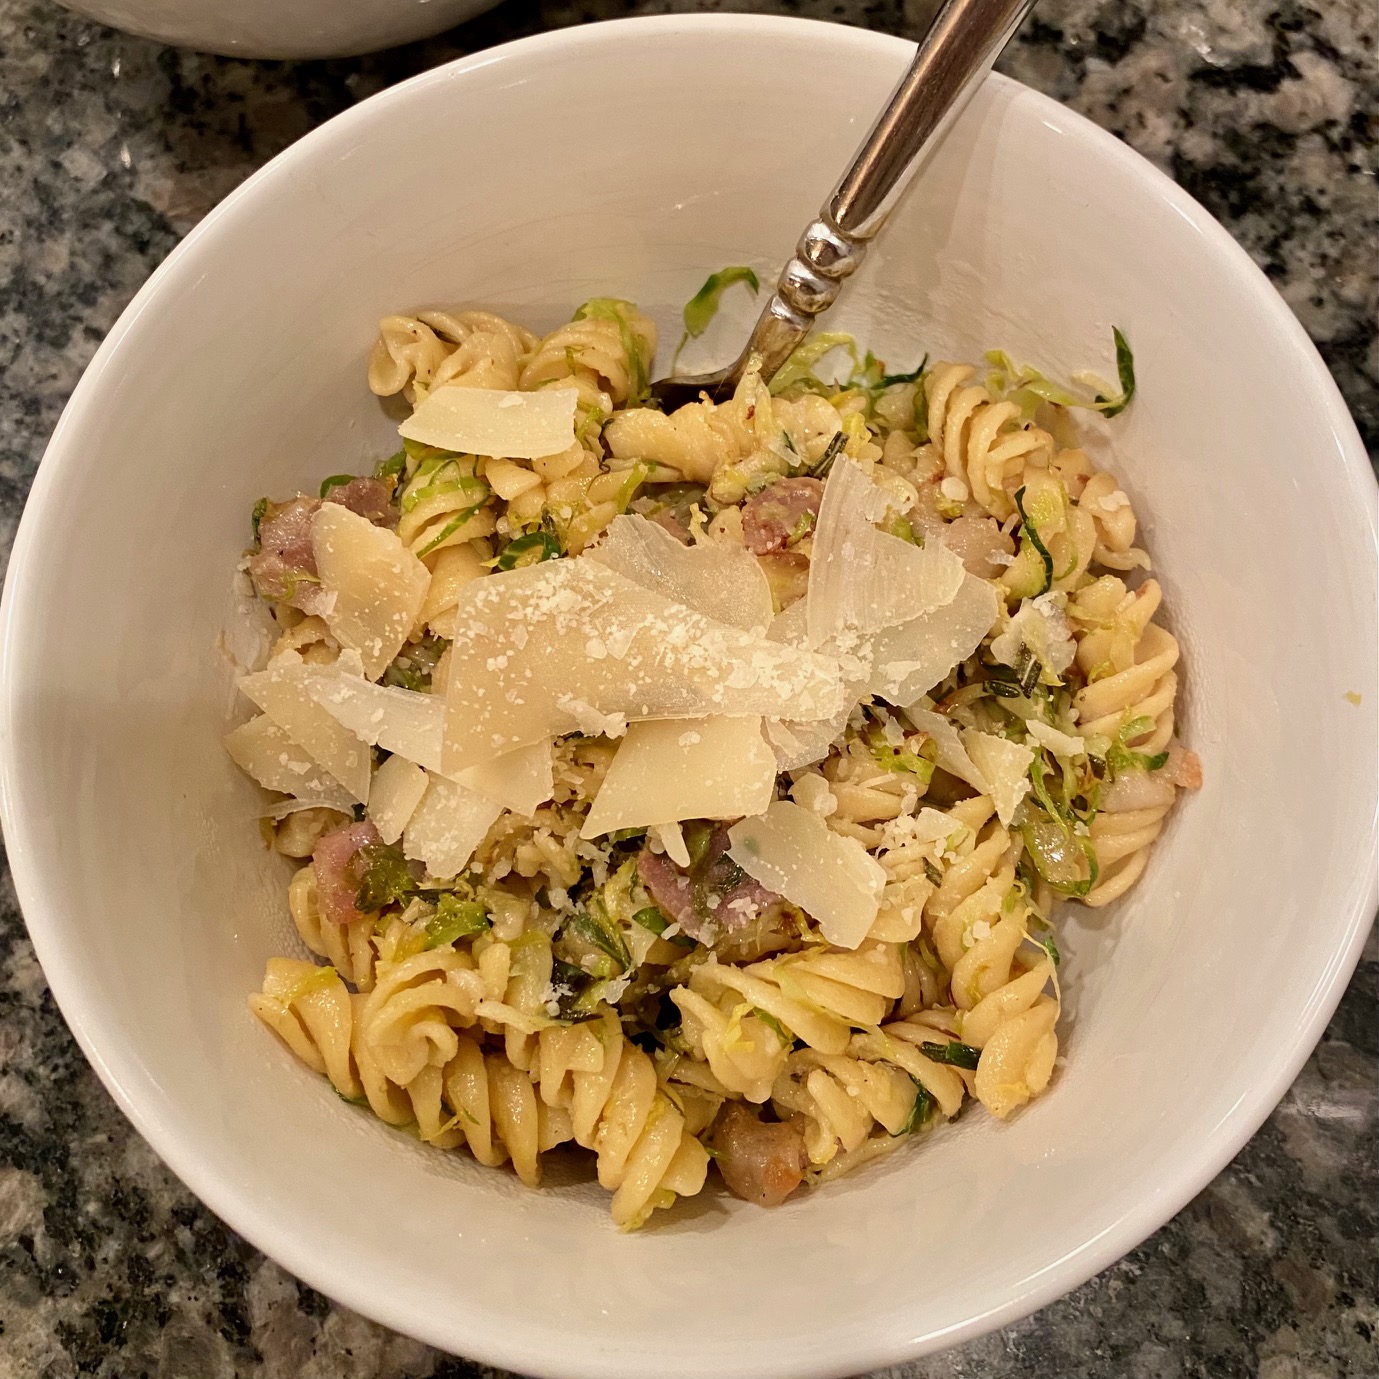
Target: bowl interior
(632, 160)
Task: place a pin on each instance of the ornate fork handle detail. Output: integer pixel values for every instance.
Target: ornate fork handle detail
(957, 52)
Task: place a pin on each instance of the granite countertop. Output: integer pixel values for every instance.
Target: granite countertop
(112, 148)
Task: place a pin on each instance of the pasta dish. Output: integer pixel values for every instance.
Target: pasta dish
(701, 787)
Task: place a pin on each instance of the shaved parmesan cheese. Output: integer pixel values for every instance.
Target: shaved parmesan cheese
(398, 720)
(448, 824)
(452, 567)
(802, 744)
(542, 642)
(263, 750)
(862, 579)
(490, 421)
(990, 764)
(1042, 626)
(909, 660)
(1059, 743)
(952, 755)
(1005, 766)
(411, 725)
(521, 781)
(672, 840)
(928, 826)
(674, 768)
(378, 585)
(283, 691)
(833, 879)
(719, 580)
(397, 788)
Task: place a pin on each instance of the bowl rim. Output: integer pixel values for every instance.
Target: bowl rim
(80, 1002)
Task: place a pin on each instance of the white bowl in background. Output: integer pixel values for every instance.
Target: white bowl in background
(281, 28)
(632, 159)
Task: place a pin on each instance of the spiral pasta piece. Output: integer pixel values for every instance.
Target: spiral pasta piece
(646, 1157)
(444, 504)
(982, 442)
(347, 947)
(609, 353)
(816, 995)
(432, 349)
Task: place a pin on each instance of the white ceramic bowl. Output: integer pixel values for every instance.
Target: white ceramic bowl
(281, 28)
(633, 158)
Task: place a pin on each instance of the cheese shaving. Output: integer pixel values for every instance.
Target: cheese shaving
(715, 578)
(447, 826)
(375, 586)
(675, 769)
(563, 634)
(832, 878)
(861, 579)
(282, 690)
(397, 788)
(1059, 743)
(1005, 767)
(492, 421)
(909, 660)
(264, 751)
(411, 725)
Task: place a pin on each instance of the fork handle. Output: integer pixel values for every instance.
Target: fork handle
(959, 49)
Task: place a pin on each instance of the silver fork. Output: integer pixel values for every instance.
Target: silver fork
(964, 40)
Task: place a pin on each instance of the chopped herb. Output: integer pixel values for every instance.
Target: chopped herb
(824, 463)
(703, 306)
(530, 549)
(953, 1053)
(260, 511)
(933, 873)
(1027, 528)
(335, 481)
(920, 1111)
(394, 467)
(594, 926)
(774, 1025)
(1028, 670)
(1125, 371)
(455, 919)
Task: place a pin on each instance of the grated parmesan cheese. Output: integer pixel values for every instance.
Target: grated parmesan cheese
(528, 673)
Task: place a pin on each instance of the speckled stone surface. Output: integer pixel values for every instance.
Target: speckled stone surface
(112, 148)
